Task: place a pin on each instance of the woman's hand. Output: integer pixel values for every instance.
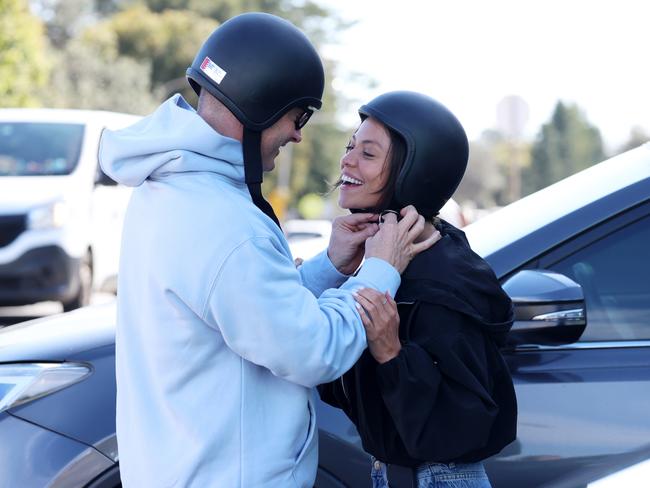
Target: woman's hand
(398, 242)
(380, 319)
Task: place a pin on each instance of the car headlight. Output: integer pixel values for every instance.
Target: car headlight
(22, 383)
(50, 216)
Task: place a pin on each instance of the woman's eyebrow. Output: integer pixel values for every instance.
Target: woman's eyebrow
(372, 141)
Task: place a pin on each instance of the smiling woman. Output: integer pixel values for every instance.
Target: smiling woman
(432, 391)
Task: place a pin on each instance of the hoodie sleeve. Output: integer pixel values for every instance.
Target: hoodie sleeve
(318, 274)
(269, 318)
(437, 389)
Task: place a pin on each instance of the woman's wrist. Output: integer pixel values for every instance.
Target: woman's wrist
(388, 354)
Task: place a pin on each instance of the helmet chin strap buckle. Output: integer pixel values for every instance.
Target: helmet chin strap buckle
(383, 214)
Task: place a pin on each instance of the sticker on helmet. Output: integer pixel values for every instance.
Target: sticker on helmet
(212, 70)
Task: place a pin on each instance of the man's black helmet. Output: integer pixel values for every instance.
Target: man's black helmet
(259, 66)
(436, 148)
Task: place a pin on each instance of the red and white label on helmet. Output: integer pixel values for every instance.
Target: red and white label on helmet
(213, 70)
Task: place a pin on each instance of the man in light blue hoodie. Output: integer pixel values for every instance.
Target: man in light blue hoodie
(220, 339)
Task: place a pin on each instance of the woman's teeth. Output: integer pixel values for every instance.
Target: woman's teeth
(349, 179)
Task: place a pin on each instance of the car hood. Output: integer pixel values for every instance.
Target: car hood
(59, 337)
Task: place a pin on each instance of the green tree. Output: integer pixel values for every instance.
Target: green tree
(565, 145)
(484, 181)
(23, 66)
(637, 137)
(165, 41)
(63, 19)
(95, 77)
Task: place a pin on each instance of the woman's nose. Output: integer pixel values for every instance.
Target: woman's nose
(348, 159)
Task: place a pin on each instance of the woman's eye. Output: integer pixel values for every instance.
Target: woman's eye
(368, 155)
(349, 148)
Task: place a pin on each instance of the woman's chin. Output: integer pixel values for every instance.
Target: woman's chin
(351, 204)
(343, 203)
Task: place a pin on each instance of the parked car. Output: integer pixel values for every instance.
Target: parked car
(60, 216)
(634, 476)
(574, 258)
(307, 237)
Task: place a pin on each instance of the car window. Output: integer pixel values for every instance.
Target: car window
(614, 273)
(39, 148)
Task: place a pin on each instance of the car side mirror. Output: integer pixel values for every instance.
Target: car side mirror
(549, 308)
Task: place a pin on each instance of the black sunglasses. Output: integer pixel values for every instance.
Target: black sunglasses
(303, 118)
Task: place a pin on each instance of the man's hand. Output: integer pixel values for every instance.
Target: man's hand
(347, 242)
(395, 241)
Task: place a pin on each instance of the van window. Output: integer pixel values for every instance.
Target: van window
(39, 149)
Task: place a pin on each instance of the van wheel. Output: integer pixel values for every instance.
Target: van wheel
(85, 285)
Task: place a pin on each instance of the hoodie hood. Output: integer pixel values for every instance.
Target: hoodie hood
(462, 281)
(154, 147)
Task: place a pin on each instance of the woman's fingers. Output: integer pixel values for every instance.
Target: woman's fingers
(427, 243)
(379, 308)
(416, 229)
(371, 300)
(365, 319)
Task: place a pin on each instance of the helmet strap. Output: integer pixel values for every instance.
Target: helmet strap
(253, 171)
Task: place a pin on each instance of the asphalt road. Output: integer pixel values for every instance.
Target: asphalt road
(14, 315)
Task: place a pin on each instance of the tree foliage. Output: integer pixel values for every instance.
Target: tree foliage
(64, 19)
(98, 79)
(565, 145)
(485, 177)
(637, 137)
(23, 65)
(165, 41)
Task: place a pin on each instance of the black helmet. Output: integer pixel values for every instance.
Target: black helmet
(259, 66)
(436, 148)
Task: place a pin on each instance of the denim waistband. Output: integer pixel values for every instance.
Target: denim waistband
(432, 469)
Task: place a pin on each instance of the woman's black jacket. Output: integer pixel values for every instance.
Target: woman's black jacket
(448, 395)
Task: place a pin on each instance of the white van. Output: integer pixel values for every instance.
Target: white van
(60, 215)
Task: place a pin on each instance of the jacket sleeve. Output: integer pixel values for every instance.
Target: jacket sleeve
(266, 315)
(437, 390)
(332, 394)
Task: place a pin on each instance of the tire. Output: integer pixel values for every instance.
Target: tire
(85, 285)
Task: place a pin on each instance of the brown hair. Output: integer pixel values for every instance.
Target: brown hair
(395, 161)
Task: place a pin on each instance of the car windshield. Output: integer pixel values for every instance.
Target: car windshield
(39, 149)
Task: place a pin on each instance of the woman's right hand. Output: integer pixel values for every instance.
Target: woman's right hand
(396, 243)
(379, 315)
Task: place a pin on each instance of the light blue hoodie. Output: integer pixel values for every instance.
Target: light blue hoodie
(220, 338)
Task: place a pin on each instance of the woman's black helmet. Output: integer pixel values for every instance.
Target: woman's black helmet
(260, 67)
(436, 148)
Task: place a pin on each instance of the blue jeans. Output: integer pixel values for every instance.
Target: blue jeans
(437, 475)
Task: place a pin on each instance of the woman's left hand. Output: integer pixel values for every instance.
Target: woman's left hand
(380, 319)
